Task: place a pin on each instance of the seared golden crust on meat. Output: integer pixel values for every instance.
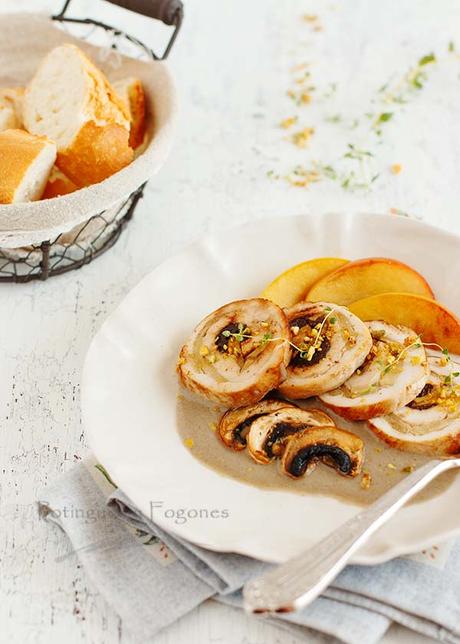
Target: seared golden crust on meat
(237, 354)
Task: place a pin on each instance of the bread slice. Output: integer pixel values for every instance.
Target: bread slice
(70, 101)
(26, 161)
(131, 93)
(11, 108)
(58, 184)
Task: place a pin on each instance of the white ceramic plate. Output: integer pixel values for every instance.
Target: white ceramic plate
(130, 387)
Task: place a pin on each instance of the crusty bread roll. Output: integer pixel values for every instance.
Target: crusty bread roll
(11, 108)
(58, 184)
(131, 93)
(70, 101)
(26, 161)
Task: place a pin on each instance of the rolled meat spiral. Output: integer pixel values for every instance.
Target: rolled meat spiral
(394, 372)
(238, 353)
(329, 342)
(429, 424)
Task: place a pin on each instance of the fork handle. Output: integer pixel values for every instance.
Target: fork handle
(293, 585)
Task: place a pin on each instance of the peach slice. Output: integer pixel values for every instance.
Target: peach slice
(430, 319)
(365, 277)
(290, 287)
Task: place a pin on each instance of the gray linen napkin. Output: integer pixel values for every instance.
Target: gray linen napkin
(151, 578)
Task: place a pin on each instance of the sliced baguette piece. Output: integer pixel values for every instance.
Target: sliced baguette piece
(26, 161)
(11, 108)
(70, 101)
(131, 93)
(58, 184)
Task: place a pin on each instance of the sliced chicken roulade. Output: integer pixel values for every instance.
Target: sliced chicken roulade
(330, 343)
(430, 424)
(394, 372)
(238, 353)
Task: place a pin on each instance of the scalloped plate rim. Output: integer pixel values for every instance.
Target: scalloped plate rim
(371, 553)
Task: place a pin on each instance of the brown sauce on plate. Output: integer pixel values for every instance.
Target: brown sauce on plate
(387, 466)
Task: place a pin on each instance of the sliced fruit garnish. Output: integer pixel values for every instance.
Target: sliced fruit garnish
(432, 321)
(365, 277)
(290, 287)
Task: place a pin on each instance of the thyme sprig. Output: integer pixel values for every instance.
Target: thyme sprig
(387, 368)
(416, 344)
(448, 359)
(267, 337)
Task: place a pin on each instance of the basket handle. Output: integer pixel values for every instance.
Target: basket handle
(168, 11)
(171, 12)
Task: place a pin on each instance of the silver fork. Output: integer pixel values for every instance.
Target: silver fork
(294, 584)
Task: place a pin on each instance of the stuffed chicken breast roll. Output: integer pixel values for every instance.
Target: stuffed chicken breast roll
(429, 424)
(328, 344)
(394, 372)
(238, 353)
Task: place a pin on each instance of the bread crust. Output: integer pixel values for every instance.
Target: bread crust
(58, 184)
(131, 93)
(98, 145)
(95, 154)
(18, 150)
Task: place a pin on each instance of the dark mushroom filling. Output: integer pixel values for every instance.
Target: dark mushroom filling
(301, 358)
(222, 340)
(332, 455)
(275, 439)
(427, 398)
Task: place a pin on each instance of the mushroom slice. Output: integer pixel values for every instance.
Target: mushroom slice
(335, 447)
(430, 424)
(331, 343)
(268, 435)
(237, 354)
(394, 372)
(236, 423)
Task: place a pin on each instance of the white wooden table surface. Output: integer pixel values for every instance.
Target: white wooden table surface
(234, 63)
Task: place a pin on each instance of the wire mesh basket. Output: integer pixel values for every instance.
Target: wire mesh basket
(90, 238)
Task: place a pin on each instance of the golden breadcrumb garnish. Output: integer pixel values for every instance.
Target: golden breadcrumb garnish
(313, 21)
(391, 466)
(213, 426)
(301, 138)
(302, 177)
(396, 168)
(204, 350)
(408, 469)
(366, 480)
(302, 97)
(188, 442)
(286, 123)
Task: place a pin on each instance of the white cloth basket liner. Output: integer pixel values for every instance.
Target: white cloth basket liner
(26, 39)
